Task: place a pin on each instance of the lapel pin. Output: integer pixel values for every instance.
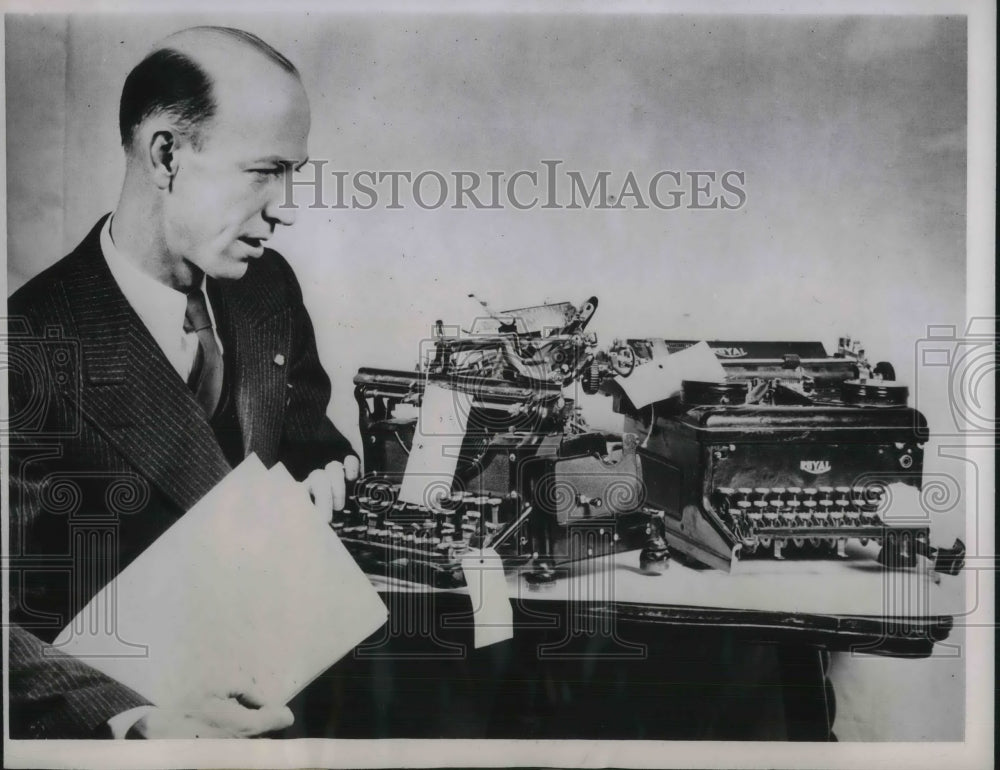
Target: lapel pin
(279, 359)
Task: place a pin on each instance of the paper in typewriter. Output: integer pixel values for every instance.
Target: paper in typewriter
(662, 376)
(433, 458)
(250, 585)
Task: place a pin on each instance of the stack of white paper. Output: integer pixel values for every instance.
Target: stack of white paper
(250, 591)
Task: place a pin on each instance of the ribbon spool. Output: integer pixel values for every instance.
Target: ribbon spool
(879, 393)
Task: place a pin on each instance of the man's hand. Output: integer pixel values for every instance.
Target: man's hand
(328, 486)
(214, 717)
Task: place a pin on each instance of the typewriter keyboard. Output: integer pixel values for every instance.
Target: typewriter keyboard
(463, 520)
(778, 521)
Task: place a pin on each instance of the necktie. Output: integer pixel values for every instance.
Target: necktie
(205, 379)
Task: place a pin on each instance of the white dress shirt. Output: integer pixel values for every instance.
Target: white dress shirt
(120, 724)
(161, 308)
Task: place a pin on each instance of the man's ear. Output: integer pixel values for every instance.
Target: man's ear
(162, 158)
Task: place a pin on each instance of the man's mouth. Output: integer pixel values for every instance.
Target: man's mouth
(256, 245)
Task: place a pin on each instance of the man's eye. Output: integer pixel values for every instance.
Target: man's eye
(268, 172)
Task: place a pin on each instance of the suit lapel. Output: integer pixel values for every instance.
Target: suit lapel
(257, 337)
(129, 390)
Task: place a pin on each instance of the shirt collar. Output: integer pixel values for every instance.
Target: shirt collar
(160, 307)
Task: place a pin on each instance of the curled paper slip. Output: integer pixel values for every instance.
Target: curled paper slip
(491, 610)
(661, 377)
(437, 443)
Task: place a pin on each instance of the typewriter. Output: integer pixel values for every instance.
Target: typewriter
(793, 454)
(532, 481)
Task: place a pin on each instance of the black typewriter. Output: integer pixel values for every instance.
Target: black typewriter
(532, 481)
(792, 455)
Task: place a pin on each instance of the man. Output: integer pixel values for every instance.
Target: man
(169, 345)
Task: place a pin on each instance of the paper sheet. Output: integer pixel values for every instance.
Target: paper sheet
(492, 612)
(249, 589)
(430, 467)
(661, 377)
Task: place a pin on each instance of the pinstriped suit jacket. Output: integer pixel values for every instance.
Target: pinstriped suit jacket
(109, 447)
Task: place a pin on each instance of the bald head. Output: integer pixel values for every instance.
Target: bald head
(214, 122)
(186, 72)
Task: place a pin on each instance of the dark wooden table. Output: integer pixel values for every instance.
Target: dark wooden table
(608, 652)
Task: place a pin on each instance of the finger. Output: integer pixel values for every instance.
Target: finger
(198, 729)
(352, 468)
(248, 698)
(228, 714)
(274, 716)
(319, 488)
(279, 717)
(263, 720)
(163, 723)
(338, 489)
(249, 695)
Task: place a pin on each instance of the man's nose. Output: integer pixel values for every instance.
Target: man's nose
(277, 213)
